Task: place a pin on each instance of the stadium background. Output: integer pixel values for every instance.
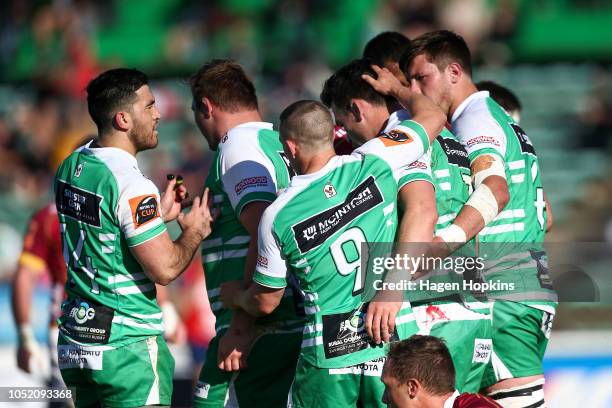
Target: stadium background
(556, 55)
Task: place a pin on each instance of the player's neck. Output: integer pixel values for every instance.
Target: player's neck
(228, 121)
(316, 162)
(462, 93)
(437, 401)
(118, 141)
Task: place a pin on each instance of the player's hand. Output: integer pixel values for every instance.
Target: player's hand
(236, 343)
(381, 314)
(171, 199)
(29, 355)
(386, 83)
(199, 216)
(230, 293)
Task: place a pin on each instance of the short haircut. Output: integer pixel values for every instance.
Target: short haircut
(112, 91)
(424, 358)
(440, 47)
(226, 84)
(500, 94)
(386, 46)
(347, 84)
(309, 123)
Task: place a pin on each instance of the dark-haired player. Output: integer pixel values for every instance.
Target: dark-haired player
(116, 247)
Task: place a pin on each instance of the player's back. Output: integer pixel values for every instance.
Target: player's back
(249, 166)
(106, 205)
(324, 221)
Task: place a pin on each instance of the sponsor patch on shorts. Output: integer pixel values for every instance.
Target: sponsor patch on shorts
(482, 350)
(144, 209)
(73, 356)
(201, 390)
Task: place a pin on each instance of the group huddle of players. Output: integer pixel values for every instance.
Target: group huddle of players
(286, 224)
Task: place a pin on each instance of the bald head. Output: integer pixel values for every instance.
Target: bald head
(309, 124)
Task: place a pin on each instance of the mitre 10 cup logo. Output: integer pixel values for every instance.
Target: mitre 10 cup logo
(144, 209)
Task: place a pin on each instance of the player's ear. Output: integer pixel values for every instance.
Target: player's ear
(122, 121)
(355, 111)
(292, 148)
(413, 386)
(455, 72)
(206, 107)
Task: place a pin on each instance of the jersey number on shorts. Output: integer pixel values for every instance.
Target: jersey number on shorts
(346, 253)
(73, 255)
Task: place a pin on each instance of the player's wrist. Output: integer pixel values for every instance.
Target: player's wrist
(452, 235)
(26, 335)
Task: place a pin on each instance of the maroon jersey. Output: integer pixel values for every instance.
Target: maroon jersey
(42, 252)
(342, 144)
(474, 401)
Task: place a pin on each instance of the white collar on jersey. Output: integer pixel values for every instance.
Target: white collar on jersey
(451, 400)
(395, 118)
(466, 102)
(112, 151)
(309, 178)
(263, 125)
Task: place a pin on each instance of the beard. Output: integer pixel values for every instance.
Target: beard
(143, 136)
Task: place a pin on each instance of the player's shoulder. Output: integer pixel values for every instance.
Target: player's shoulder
(246, 136)
(123, 168)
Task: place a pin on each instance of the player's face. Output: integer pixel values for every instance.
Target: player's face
(145, 118)
(204, 122)
(427, 79)
(396, 394)
(358, 131)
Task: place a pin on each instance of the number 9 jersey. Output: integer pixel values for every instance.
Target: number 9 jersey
(315, 230)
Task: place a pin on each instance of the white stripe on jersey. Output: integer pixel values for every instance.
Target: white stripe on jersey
(500, 229)
(445, 186)
(232, 253)
(517, 213)
(126, 278)
(126, 321)
(517, 164)
(134, 289)
(442, 173)
(445, 218)
(517, 178)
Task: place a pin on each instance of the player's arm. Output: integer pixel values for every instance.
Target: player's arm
(489, 197)
(549, 214)
(162, 259)
(31, 266)
(422, 109)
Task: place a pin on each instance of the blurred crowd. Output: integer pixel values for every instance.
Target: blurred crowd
(49, 50)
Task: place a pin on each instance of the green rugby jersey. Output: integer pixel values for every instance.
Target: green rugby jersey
(315, 231)
(447, 168)
(249, 166)
(105, 206)
(513, 240)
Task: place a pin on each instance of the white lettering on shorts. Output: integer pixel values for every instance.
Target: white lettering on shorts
(73, 356)
(202, 389)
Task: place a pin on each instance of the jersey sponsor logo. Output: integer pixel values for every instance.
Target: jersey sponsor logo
(87, 321)
(79, 204)
(258, 181)
(144, 209)
(455, 152)
(79, 170)
(395, 137)
(315, 230)
(262, 261)
(482, 139)
(329, 190)
(344, 333)
(526, 146)
(482, 350)
(416, 165)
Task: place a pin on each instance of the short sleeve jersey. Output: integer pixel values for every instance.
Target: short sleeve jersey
(42, 251)
(315, 231)
(484, 128)
(106, 206)
(249, 166)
